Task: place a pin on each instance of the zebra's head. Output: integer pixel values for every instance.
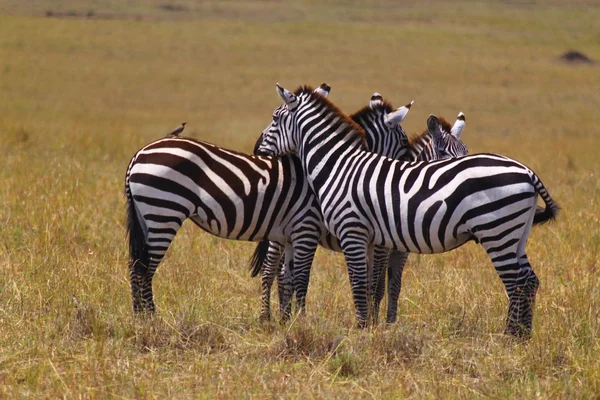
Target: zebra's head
(446, 141)
(381, 123)
(279, 136)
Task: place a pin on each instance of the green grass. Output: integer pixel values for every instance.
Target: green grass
(78, 97)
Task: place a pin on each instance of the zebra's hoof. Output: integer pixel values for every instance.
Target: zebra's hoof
(264, 318)
(518, 331)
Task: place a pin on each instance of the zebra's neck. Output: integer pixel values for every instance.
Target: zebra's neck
(326, 140)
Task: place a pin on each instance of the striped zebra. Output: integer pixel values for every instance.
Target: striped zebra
(417, 207)
(224, 192)
(425, 146)
(384, 135)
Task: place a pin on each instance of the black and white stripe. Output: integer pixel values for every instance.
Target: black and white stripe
(420, 207)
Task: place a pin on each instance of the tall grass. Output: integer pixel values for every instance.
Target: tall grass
(80, 94)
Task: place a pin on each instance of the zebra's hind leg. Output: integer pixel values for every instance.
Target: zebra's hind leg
(520, 312)
(137, 274)
(521, 303)
(396, 265)
(160, 237)
(505, 245)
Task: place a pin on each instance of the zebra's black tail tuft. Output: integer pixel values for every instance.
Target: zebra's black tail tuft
(259, 257)
(543, 215)
(549, 213)
(138, 249)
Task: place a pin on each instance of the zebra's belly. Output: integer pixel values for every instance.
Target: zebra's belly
(277, 233)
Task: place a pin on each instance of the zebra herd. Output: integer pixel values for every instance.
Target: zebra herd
(353, 184)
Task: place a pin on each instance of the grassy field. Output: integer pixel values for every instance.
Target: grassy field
(85, 84)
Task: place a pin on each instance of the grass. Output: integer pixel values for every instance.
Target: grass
(82, 92)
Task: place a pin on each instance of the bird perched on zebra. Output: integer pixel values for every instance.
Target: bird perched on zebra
(178, 130)
(420, 207)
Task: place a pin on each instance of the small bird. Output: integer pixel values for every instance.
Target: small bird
(178, 130)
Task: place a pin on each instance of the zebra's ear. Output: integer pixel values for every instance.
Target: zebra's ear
(433, 127)
(323, 90)
(376, 100)
(459, 125)
(288, 97)
(394, 118)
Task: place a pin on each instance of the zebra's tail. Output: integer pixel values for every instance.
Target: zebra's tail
(138, 248)
(543, 215)
(259, 257)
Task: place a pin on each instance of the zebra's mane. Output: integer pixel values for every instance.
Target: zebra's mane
(384, 106)
(416, 142)
(348, 121)
(446, 126)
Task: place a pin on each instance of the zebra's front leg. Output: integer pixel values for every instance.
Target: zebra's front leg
(356, 254)
(380, 263)
(396, 264)
(268, 271)
(285, 284)
(304, 254)
(285, 288)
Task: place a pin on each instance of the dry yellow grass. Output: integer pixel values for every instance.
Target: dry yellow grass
(79, 96)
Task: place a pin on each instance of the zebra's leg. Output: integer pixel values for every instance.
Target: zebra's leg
(303, 260)
(160, 236)
(140, 277)
(520, 315)
(396, 264)
(285, 287)
(137, 274)
(505, 245)
(268, 271)
(520, 310)
(285, 293)
(380, 262)
(356, 253)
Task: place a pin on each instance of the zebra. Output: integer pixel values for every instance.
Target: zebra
(384, 136)
(417, 207)
(424, 146)
(225, 193)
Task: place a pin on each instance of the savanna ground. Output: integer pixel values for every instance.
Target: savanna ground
(84, 84)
